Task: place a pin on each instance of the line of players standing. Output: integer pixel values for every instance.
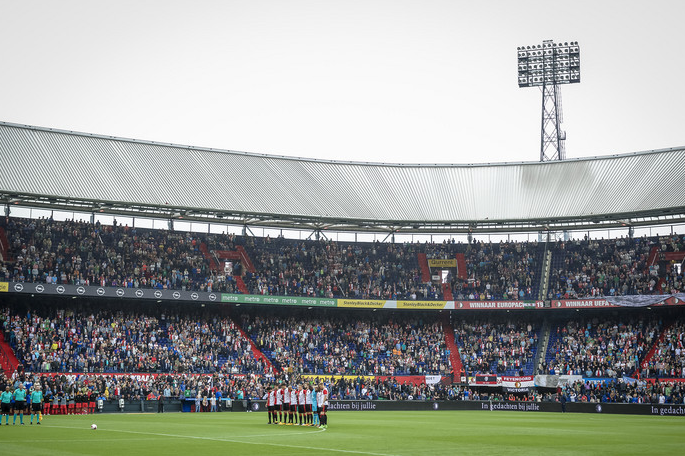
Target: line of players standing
(309, 403)
(16, 402)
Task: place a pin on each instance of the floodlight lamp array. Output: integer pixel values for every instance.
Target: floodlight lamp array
(548, 63)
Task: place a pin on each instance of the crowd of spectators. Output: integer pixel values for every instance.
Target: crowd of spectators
(617, 267)
(600, 348)
(325, 268)
(491, 347)
(625, 391)
(81, 253)
(100, 340)
(393, 388)
(328, 269)
(668, 360)
(92, 254)
(337, 343)
(199, 389)
(181, 353)
(498, 271)
(95, 339)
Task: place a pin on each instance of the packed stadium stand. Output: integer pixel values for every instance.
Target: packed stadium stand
(351, 344)
(95, 339)
(504, 347)
(91, 254)
(328, 269)
(605, 268)
(84, 310)
(668, 357)
(80, 253)
(600, 348)
(374, 351)
(621, 391)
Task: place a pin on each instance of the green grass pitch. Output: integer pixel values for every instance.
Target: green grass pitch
(364, 433)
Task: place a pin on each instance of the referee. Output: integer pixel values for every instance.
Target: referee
(19, 404)
(36, 403)
(6, 404)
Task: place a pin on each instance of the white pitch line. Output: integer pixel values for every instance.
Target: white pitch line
(240, 441)
(74, 440)
(183, 436)
(283, 435)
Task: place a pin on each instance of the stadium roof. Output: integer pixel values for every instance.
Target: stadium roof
(73, 171)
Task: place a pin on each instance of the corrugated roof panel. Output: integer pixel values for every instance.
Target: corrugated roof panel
(90, 167)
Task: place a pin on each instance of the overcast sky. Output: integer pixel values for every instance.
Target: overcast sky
(396, 81)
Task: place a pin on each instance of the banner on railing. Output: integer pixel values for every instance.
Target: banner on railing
(438, 263)
(581, 304)
(278, 300)
(484, 380)
(362, 303)
(422, 305)
(400, 379)
(496, 305)
(517, 384)
(140, 377)
(37, 288)
(527, 381)
(190, 296)
(512, 384)
(621, 301)
(644, 300)
(553, 381)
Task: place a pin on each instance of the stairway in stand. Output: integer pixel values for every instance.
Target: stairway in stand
(213, 265)
(8, 362)
(462, 273)
(425, 270)
(239, 254)
(447, 292)
(245, 258)
(653, 349)
(240, 283)
(450, 342)
(255, 350)
(4, 246)
(653, 257)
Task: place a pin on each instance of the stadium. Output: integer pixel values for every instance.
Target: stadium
(109, 311)
(392, 277)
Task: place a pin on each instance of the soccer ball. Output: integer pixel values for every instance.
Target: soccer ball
(93, 426)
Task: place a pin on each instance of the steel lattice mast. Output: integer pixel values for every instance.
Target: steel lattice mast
(548, 66)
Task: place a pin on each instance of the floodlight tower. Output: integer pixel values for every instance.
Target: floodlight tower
(548, 66)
